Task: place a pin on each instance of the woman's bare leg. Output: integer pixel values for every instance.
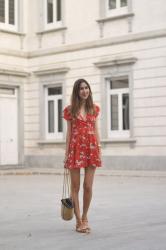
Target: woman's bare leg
(75, 187)
(87, 196)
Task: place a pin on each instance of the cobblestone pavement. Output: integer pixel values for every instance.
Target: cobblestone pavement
(127, 213)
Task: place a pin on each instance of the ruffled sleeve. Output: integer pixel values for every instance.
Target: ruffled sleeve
(66, 113)
(97, 110)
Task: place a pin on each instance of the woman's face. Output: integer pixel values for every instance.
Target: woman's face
(84, 91)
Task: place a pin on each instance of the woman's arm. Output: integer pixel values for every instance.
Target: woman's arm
(68, 136)
(97, 134)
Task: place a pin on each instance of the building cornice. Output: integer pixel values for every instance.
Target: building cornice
(14, 53)
(100, 43)
(86, 45)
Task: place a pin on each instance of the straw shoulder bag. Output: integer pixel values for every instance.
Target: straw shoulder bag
(67, 208)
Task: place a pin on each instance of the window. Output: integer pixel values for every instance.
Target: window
(113, 4)
(118, 108)
(53, 13)
(117, 7)
(8, 14)
(54, 124)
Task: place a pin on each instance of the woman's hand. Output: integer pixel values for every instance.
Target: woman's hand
(65, 159)
(99, 147)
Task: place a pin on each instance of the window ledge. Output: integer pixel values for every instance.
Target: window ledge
(114, 17)
(12, 32)
(118, 140)
(51, 30)
(50, 142)
(103, 141)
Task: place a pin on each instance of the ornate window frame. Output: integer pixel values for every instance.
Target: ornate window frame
(115, 68)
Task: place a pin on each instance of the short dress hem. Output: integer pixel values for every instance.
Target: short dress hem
(83, 167)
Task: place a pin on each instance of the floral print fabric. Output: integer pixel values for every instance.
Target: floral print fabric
(83, 147)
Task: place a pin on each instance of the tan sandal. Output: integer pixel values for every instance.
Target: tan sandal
(78, 225)
(85, 227)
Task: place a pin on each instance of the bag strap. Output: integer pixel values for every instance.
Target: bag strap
(66, 184)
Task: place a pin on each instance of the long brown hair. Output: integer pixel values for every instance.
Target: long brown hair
(76, 100)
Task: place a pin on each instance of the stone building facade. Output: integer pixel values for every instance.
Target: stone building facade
(119, 46)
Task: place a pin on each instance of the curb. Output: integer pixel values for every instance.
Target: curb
(99, 172)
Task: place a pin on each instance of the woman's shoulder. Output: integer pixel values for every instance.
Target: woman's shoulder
(96, 106)
(96, 110)
(68, 107)
(67, 112)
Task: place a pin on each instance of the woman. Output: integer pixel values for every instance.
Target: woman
(82, 147)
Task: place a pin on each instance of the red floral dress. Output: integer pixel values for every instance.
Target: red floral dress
(83, 146)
